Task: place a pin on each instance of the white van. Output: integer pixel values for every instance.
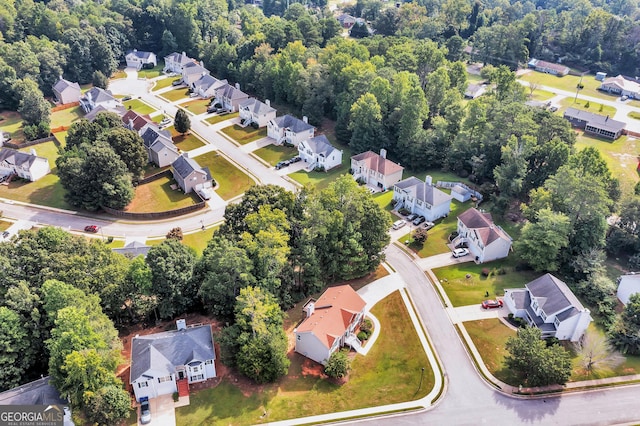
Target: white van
(399, 224)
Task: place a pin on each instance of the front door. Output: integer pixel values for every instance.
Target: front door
(180, 375)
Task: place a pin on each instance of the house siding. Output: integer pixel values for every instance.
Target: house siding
(310, 346)
(153, 387)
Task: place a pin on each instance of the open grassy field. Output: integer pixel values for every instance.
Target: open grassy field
(158, 196)
(273, 154)
(385, 376)
(164, 82)
(621, 156)
(196, 106)
(231, 180)
(175, 94)
(221, 117)
(11, 122)
(66, 116)
(581, 104)
(244, 135)
(568, 83)
(139, 106)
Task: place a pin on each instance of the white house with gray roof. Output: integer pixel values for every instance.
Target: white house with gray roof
(160, 148)
(138, 59)
(318, 152)
(628, 285)
(230, 97)
(160, 360)
(600, 125)
(485, 240)
(422, 198)
(547, 303)
(192, 72)
(189, 175)
(288, 128)
(175, 61)
(25, 165)
(98, 97)
(254, 111)
(207, 85)
(66, 92)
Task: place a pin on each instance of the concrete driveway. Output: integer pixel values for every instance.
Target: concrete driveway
(475, 313)
(440, 260)
(162, 411)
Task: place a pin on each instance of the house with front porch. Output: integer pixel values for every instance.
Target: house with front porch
(206, 86)
(376, 170)
(160, 361)
(254, 111)
(192, 72)
(549, 304)
(95, 97)
(597, 124)
(319, 153)
(175, 61)
(230, 97)
(330, 323)
(189, 175)
(290, 129)
(25, 165)
(422, 198)
(66, 92)
(138, 59)
(485, 240)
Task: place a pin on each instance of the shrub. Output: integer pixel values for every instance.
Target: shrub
(176, 396)
(486, 272)
(366, 326)
(420, 235)
(587, 105)
(362, 336)
(254, 125)
(109, 239)
(337, 365)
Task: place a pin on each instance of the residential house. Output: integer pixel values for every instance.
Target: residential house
(330, 323)
(25, 165)
(42, 393)
(548, 67)
(596, 124)
(254, 111)
(475, 90)
(120, 110)
(486, 240)
(600, 76)
(138, 59)
(376, 170)
(461, 192)
(230, 97)
(290, 129)
(621, 86)
(628, 285)
(207, 85)
(422, 198)
(189, 175)
(549, 304)
(319, 153)
(192, 72)
(66, 92)
(134, 121)
(97, 96)
(346, 20)
(133, 249)
(160, 361)
(160, 148)
(176, 61)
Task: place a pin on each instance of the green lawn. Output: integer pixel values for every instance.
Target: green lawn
(11, 122)
(118, 74)
(634, 114)
(273, 154)
(175, 94)
(244, 135)
(464, 291)
(221, 117)
(186, 142)
(385, 376)
(151, 73)
(541, 95)
(383, 199)
(66, 116)
(197, 106)
(4, 225)
(569, 83)
(164, 82)
(621, 156)
(157, 196)
(198, 240)
(231, 180)
(139, 106)
(320, 180)
(581, 104)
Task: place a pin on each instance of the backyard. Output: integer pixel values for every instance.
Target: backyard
(65, 117)
(157, 196)
(231, 180)
(273, 154)
(11, 122)
(385, 376)
(218, 118)
(185, 142)
(244, 135)
(139, 106)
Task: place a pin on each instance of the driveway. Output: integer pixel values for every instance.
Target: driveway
(440, 260)
(474, 313)
(162, 411)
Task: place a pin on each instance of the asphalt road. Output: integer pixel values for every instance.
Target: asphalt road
(469, 400)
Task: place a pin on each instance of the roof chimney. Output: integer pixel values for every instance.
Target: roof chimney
(428, 180)
(33, 152)
(238, 86)
(181, 324)
(184, 53)
(309, 309)
(267, 102)
(305, 119)
(383, 153)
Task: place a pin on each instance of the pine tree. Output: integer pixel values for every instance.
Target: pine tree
(182, 122)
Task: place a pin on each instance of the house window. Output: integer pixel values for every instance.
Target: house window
(556, 322)
(543, 316)
(209, 362)
(298, 337)
(195, 369)
(143, 385)
(197, 377)
(165, 379)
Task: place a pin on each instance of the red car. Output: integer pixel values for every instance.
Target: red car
(490, 304)
(91, 228)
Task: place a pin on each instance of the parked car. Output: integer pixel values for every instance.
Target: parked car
(282, 164)
(5, 234)
(91, 228)
(418, 220)
(553, 109)
(295, 160)
(165, 121)
(428, 224)
(211, 109)
(399, 224)
(126, 98)
(145, 412)
(412, 216)
(176, 82)
(459, 252)
(490, 304)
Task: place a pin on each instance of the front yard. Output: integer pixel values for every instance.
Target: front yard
(157, 196)
(321, 180)
(139, 106)
(273, 154)
(185, 142)
(175, 94)
(385, 376)
(218, 118)
(231, 180)
(581, 104)
(164, 82)
(197, 106)
(568, 83)
(244, 135)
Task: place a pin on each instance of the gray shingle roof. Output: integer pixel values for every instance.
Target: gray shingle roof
(91, 115)
(320, 145)
(38, 392)
(179, 58)
(205, 82)
(162, 352)
(292, 123)
(185, 166)
(256, 107)
(552, 294)
(420, 190)
(194, 68)
(63, 84)
(162, 143)
(230, 92)
(99, 95)
(17, 158)
(596, 120)
(140, 54)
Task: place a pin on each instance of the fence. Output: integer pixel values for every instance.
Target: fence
(31, 143)
(60, 129)
(631, 133)
(64, 106)
(156, 176)
(155, 215)
(473, 191)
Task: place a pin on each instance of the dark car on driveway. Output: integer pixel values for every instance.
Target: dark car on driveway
(282, 164)
(145, 412)
(490, 304)
(176, 82)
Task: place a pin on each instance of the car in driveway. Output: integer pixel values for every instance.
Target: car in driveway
(145, 412)
(399, 224)
(91, 228)
(491, 303)
(176, 82)
(165, 121)
(459, 252)
(282, 164)
(418, 220)
(412, 216)
(5, 234)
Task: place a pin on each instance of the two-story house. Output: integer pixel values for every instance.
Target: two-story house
(330, 323)
(175, 61)
(290, 129)
(138, 59)
(24, 165)
(66, 92)
(254, 111)
(160, 148)
(189, 175)
(422, 198)
(230, 97)
(376, 170)
(192, 72)
(486, 240)
(207, 85)
(95, 97)
(547, 303)
(319, 153)
(134, 121)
